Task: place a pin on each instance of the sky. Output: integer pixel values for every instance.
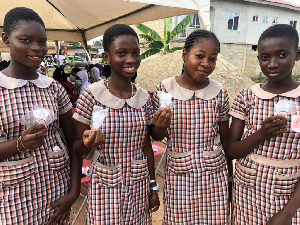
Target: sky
(293, 1)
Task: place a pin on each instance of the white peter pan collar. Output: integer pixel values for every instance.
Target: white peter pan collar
(102, 95)
(11, 83)
(259, 92)
(209, 92)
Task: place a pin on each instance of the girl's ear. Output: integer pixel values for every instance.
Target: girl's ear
(184, 55)
(105, 57)
(5, 38)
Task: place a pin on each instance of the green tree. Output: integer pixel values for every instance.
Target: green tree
(158, 44)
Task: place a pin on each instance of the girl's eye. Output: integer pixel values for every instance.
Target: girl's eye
(264, 57)
(43, 42)
(213, 59)
(24, 40)
(282, 55)
(136, 53)
(121, 53)
(199, 56)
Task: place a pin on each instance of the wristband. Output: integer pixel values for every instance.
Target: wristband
(152, 181)
(156, 188)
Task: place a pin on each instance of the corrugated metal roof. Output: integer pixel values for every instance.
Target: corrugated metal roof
(284, 2)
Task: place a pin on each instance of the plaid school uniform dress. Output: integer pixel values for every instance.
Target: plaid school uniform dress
(119, 182)
(195, 181)
(261, 190)
(31, 181)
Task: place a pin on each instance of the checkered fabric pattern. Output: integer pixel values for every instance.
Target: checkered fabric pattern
(195, 184)
(119, 186)
(259, 191)
(37, 179)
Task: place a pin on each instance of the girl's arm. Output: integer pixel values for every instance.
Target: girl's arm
(31, 138)
(237, 148)
(64, 204)
(285, 215)
(148, 151)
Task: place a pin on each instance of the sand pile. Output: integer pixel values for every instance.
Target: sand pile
(158, 67)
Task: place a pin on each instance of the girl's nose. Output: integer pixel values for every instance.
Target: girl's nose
(35, 46)
(273, 63)
(205, 63)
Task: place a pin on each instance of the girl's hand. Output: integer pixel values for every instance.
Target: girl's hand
(62, 209)
(272, 127)
(162, 118)
(33, 137)
(92, 138)
(154, 202)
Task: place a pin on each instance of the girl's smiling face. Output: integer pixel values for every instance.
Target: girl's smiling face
(277, 57)
(123, 56)
(200, 60)
(27, 43)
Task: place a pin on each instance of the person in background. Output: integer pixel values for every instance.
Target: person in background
(60, 76)
(61, 59)
(106, 71)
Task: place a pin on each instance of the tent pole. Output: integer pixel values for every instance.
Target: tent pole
(57, 53)
(85, 47)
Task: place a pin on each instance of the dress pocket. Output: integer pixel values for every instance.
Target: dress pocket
(245, 176)
(284, 184)
(180, 162)
(214, 160)
(16, 172)
(109, 176)
(139, 170)
(58, 159)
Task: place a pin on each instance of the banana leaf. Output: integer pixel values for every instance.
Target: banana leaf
(167, 24)
(175, 49)
(156, 44)
(148, 31)
(181, 26)
(146, 37)
(149, 52)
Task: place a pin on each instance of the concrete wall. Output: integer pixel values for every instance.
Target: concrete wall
(245, 59)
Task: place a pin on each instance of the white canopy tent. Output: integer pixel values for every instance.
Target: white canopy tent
(83, 20)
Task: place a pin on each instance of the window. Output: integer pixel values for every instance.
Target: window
(255, 18)
(265, 19)
(194, 24)
(275, 20)
(293, 23)
(233, 21)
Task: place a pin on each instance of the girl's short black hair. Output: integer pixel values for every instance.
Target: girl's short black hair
(115, 31)
(280, 31)
(14, 16)
(197, 35)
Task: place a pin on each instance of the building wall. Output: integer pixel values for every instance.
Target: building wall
(248, 31)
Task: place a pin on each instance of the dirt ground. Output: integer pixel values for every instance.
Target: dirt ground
(151, 72)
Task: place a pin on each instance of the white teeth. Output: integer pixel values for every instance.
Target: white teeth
(130, 68)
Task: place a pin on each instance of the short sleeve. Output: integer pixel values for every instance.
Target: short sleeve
(224, 105)
(63, 99)
(238, 107)
(84, 107)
